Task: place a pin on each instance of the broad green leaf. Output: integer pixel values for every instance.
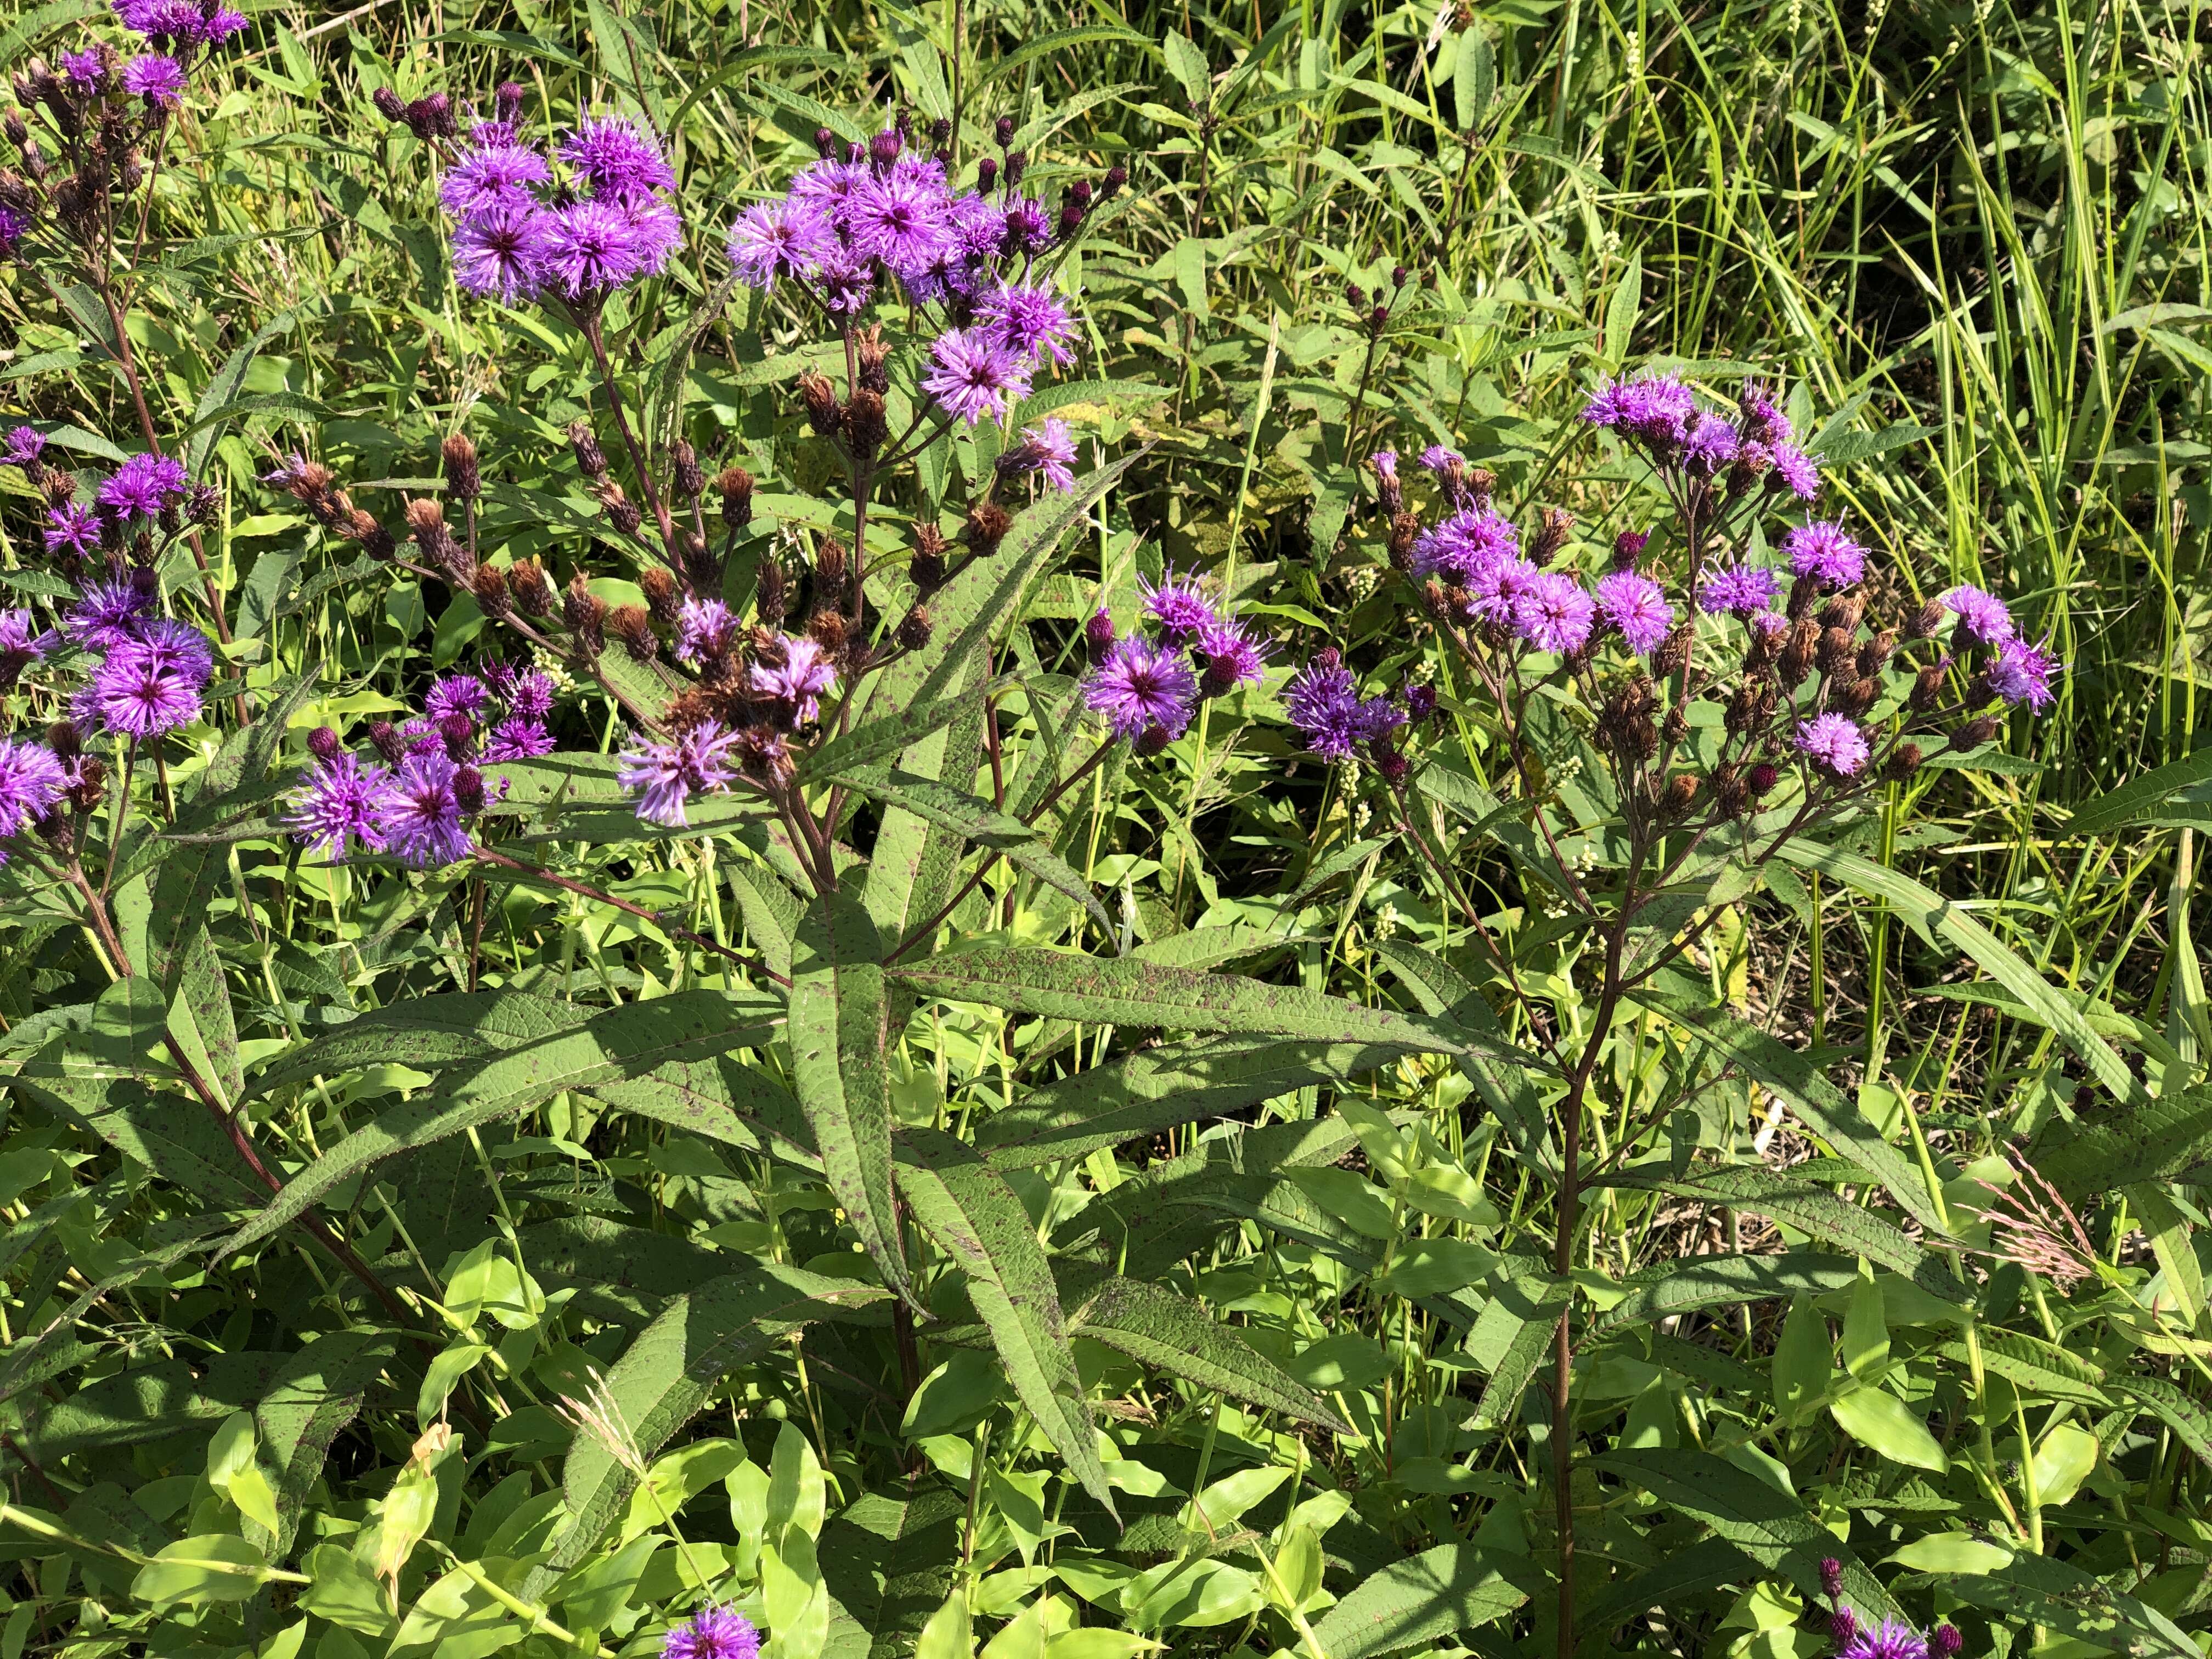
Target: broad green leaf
(972, 1215)
(1425, 1598)
(1866, 1331)
(1805, 1205)
(1887, 1427)
(891, 731)
(2063, 1459)
(1804, 1359)
(2140, 797)
(2040, 1589)
(1669, 1288)
(194, 1572)
(2039, 1369)
(1155, 1327)
(1507, 1088)
(1531, 1331)
(2184, 1414)
(2157, 1141)
(1952, 1552)
(316, 1394)
(1188, 66)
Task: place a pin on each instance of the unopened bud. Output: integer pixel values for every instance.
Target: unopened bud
(385, 737)
(458, 734)
(1874, 654)
(1117, 179)
(884, 149)
(1003, 131)
(1945, 1641)
(322, 744)
(622, 511)
(469, 791)
(1628, 547)
(987, 175)
(1016, 165)
(388, 104)
(1098, 635)
(825, 143)
(1152, 741)
(507, 101)
(832, 567)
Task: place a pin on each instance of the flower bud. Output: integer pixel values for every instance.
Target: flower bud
(585, 614)
(490, 589)
(322, 744)
(825, 143)
(622, 511)
(1421, 703)
(375, 540)
(663, 597)
(1357, 296)
(1845, 612)
(388, 104)
(770, 599)
(1098, 635)
(469, 791)
(1003, 131)
(458, 734)
(1832, 1577)
(385, 736)
(1628, 547)
(1551, 536)
(1902, 763)
(1926, 620)
(1117, 179)
(507, 101)
(1016, 165)
(987, 175)
(1874, 654)
(690, 477)
(591, 459)
(633, 625)
(1405, 530)
(1855, 697)
(884, 149)
(463, 478)
(940, 132)
(1762, 778)
(820, 399)
(526, 585)
(1945, 1641)
(926, 567)
(735, 486)
(865, 427)
(1975, 732)
(987, 524)
(1843, 1628)
(1152, 741)
(914, 631)
(1391, 762)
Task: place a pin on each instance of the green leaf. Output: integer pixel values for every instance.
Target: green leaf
(1808, 1206)
(1886, 1426)
(1669, 1288)
(2182, 1412)
(1423, 1600)
(2157, 1141)
(839, 1027)
(196, 1572)
(1531, 1332)
(1768, 1525)
(1155, 1327)
(2140, 798)
(2036, 1368)
(317, 1392)
(1506, 1088)
(972, 1215)
(1474, 82)
(2040, 1589)
(891, 732)
(1188, 66)
(1038, 45)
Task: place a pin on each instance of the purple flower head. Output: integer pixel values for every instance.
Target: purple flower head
(495, 176)
(24, 445)
(656, 232)
(1709, 446)
(1763, 420)
(1323, 704)
(666, 773)
(423, 738)
(85, 70)
(1637, 606)
(73, 527)
(847, 284)
(518, 737)
(806, 676)
(704, 627)
(902, 221)
(1031, 321)
(20, 638)
(12, 226)
(1440, 461)
(712, 1633)
(1496, 588)
(787, 238)
(1139, 686)
(828, 186)
(421, 810)
(1385, 463)
(1796, 469)
(2021, 672)
(144, 485)
(1655, 409)
(1825, 552)
(338, 803)
(620, 160)
(1890, 1639)
(157, 78)
(142, 695)
(1945, 1641)
(497, 678)
(219, 23)
(1834, 743)
(170, 646)
(1228, 654)
(1178, 604)
(1047, 450)
(1465, 544)
(532, 695)
(1740, 589)
(455, 694)
(1554, 614)
(1029, 226)
(500, 254)
(1982, 616)
(591, 246)
(973, 374)
(106, 613)
(32, 780)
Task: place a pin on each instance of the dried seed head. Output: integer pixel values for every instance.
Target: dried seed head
(1855, 697)
(633, 625)
(832, 573)
(1803, 593)
(914, 631)
(591, 459)
(663, 597)
(1682, 793)
(1796, 659)
(1926, 620)
(585, 614)
(1975, 732)
(464, 477)
(1874, 653)
(770, 599)
(1928, 686)
(490, 589)
(1834, 652)
(865, 427)
(819, 399)
(1673, 655)
(736, 485)
(1845, 612)
(871, 359)
(1551, 535)
(690, 478)
(1405, 529)
(827, 629)
(987, 524)
(622, 511)
(1902, 763)
(525, 582)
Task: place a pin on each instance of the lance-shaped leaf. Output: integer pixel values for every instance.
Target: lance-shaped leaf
(2159, 1141)
(1808, 1206)
(665, 1376)
(974, 819)
(1109, 991)
(891, 731)
(839, 1025)
(2182, 1412)
(1507, 1089)
(2140, 798)
(1542, 1301)
(1774, 1065)
(319, 1391)
(673, 1039)
(2041, 1590)
(1155, 1327)
(972, 1215)
(1767, 1524)
(1713, 1281)
(1423, 1600)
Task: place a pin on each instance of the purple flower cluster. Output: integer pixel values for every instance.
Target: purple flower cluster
(1324, 705)
(180, 22)
(712, 1633)
(1892, 1639)
(1148, 689)
(519, 231)
(32, 779)
(152, 669)
(1662, 416)
(783, 686)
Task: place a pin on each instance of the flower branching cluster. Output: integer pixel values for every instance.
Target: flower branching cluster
(1148, 688)
(1890, 1639)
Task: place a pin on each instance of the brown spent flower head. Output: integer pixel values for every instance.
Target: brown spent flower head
(622, 511)
(1874, 653)
(987, 524)
(1730, 791)
(633, 625)
(591, 459)
(490, 589)
(526, 583)
(866, 425)
(1804, 593)
(663, 597)
(827, 629)
(690, 477)
(820, 400)
(1551, 535)
(1928, 687)
(1673, 655)
(1975, 732)
(1926, 620)
(832, 574)
(1675, 727)
(1902, 763)
(1855, 697)
(1834, 652)
(914, 629)
(770, 597)
(464, 477)
(1481, 483)
(1405, 527)
(1682, 793)
(736, 487)
(367, 529)
(871, 358)
(585, 614)
(1845, 612)
(1796, 659)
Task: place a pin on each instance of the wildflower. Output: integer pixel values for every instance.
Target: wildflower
(455, 694)
(667, 774)
(1029, 227)
(85, 70)
(501, 253)
(106, 612)
(1139, 687)
(828, 186)
(1826, 553)
(1553, 613)
(171, 644)
(1439, 460)
(1228, 654)
(592, 246)
(23, 448)
(973, 374)
(805, 675)
(704, 628)
(1047, 450)
(32, 779)
(20, 640)
(1983, 617)
(1763, 420)
(138, 693)
(72, 526)
(419, 808)
(144, 485)
(1834, 743)
(2021, 672)
(531, 696)
(620, 160)
(1709, 446)
(1464, 543)
(495, 176)
(157, 78)
(1795, 471)
(789, 238)
(1637, 606)
(899, 220)
(1655, 409)
(1030, 321)
(1740, 589)
(1891, 1639)
(518, 737)
(1178, 604)
(337, 803)
(1324, 705)
(712, 1633)
(1495, 589)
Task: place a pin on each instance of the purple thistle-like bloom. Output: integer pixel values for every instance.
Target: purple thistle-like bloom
(591, 246)
(972, 374)
(531, 696)
(656, 233)
(24, 445)
(1495, 589)
(1554, 614)
(455, 694)
(1637, 606)
(518, 737)
(787, 238)
(704, 627)
(1654, 409)
(829, 186)
(977, 226)
(1833, 743)
(156, 77)
(622, 161)
(12, 226)
(1796, 469)
(1763, 423)
(847, 284)
(1826, 553)
(1439, 460)
(1890, 1639)
(106, 612)
(172, 646)
(419, 808)
(32, 779)
(501, 253)
(1178, 604)
(73, 527)
(1709, 446)
(2021, 672)
(1051, 451)
(1229, 654)
(1740, 589)
(1323, 705)
(807, 674)
(138, 694)
(901, 221)
(667, 774)
(712, 1633)
(1464, 543)
(337, 802)
(494, 177)
(1140, 685)
(218, 25)
(1029, 226)
(85, 70)
(1029, 320)
(1983, 617)
(20, 636)
(144, 485)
